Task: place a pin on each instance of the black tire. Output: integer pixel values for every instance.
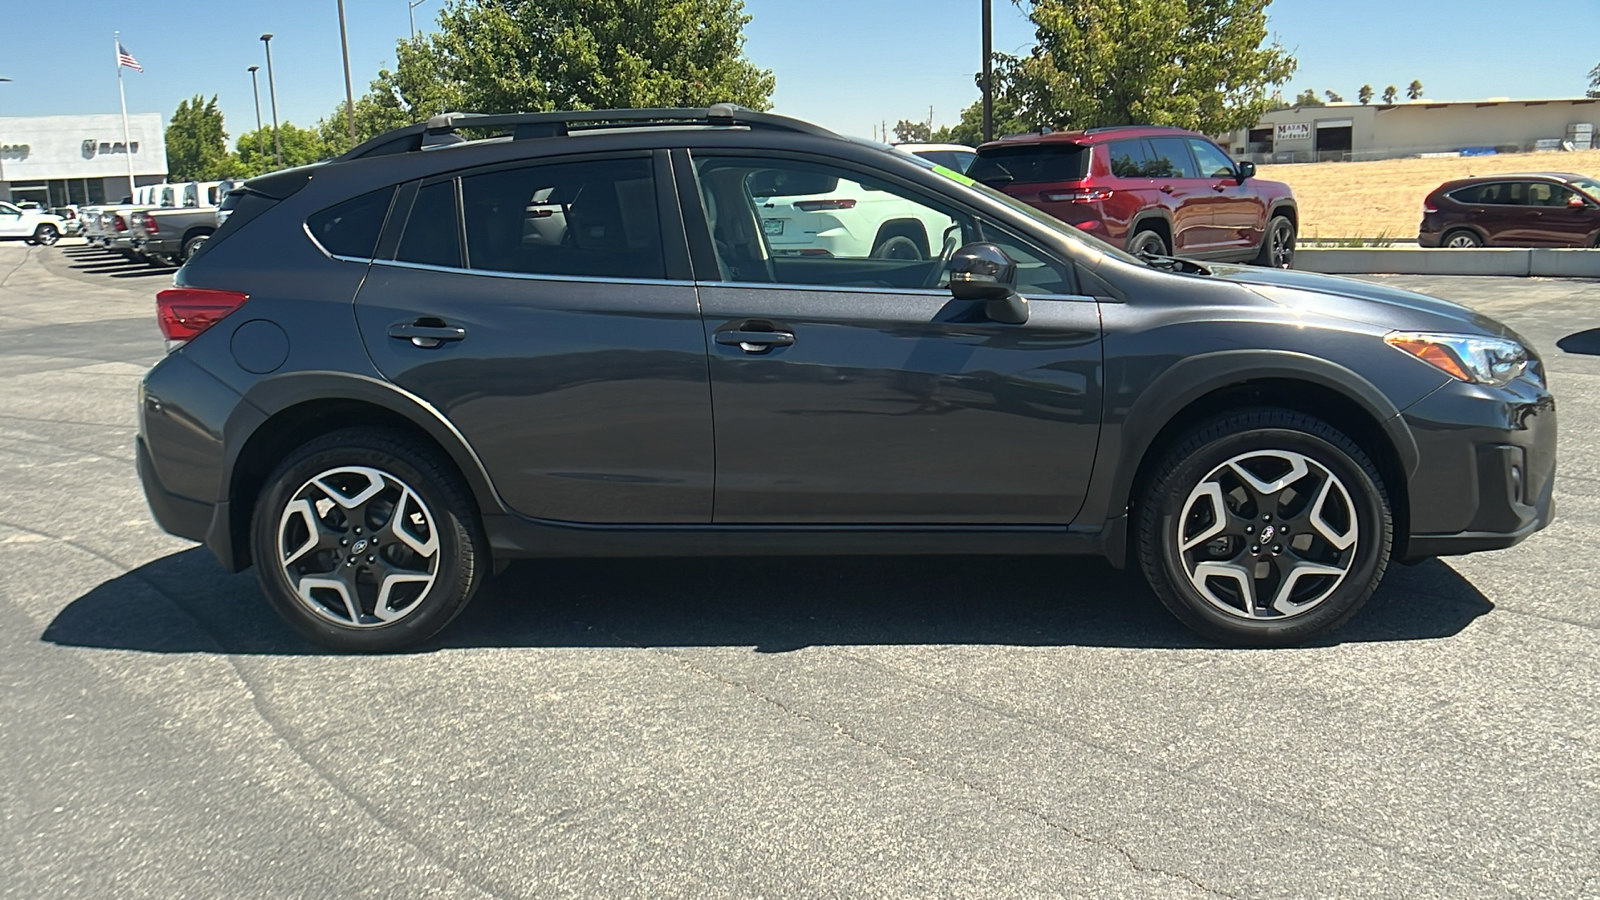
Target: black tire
(900, 242)
(456, 567)
(1277, 244)
(1360, 507)
(190, 245)
(1461, 239)
(46, 235)
(1148, 241)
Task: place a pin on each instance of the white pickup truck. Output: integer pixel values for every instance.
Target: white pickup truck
(32, 225)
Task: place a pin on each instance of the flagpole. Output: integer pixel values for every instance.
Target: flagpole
(127, 141)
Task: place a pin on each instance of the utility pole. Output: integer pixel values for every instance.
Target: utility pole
(349, 93)
(261, 137)
(988, 70)
(272, 94)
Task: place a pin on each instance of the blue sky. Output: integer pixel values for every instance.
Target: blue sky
(846, 64)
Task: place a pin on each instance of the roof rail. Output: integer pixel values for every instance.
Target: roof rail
(444, 128)
(1100, 128)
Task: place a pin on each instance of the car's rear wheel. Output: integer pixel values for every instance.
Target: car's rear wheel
(1277, 244)
(898, 246)
(1461, 240)
(1148, 242)
(190, 246)
(46, 235)
(365, 541)
(1265, 527)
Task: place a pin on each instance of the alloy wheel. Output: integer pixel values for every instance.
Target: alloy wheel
(1461, 240)
(1283, 245)
(1268, 535)
(358, 546)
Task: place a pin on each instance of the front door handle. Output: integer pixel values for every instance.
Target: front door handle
(427, 333)
(1165, 189)
(755, 341)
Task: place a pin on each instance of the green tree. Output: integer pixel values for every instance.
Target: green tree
(301, 146)
(907, 130)
(1389, 95)
(1201, 64)
(501, 56)
(1594, 82)
(197, 145)
(1308, 97)
(1333, 98)
(1365, 94)
(373, 117)
(1414, 90)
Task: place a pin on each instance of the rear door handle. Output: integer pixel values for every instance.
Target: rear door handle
(1166, 189)
(426, 333)
(755, 341)
(1219, 188)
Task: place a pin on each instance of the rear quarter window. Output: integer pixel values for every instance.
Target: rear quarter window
(1031, 164)
(350, 228)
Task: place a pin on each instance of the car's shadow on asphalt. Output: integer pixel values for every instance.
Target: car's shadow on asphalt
(185, 603)
(1586, 342)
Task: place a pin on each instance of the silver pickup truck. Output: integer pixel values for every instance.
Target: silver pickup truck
(171, 235)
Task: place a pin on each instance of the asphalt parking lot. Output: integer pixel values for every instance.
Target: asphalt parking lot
(863, 727)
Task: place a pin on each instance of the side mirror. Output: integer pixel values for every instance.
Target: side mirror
(1576, 202)
(1246, 170)
(982, 271)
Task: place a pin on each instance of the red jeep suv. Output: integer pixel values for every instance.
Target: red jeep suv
(1150, 189)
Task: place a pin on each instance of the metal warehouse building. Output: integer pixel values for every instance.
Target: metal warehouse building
(56, 160)
(1348, 131)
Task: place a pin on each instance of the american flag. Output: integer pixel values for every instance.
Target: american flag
(124, 58)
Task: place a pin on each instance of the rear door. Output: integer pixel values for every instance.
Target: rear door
(546, 309)
(1186, 195)
(1503, 212)
(855, 390)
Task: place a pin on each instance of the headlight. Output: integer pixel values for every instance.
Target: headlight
(1482, 360)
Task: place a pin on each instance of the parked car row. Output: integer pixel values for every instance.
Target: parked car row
(161, 223)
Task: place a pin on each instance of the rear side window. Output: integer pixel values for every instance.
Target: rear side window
(1169, 158)
(595, 218)
(1128, 159)
(1031, 164)
(348, 229)
(432, 235)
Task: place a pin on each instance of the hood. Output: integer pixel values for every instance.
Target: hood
(1361, 301)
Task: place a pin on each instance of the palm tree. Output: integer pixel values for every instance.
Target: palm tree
(1414, 90)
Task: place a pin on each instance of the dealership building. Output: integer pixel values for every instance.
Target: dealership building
(57, 160)
(1350, 131)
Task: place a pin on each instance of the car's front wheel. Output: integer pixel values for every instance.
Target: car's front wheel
(46, 235)
(1148, 243)
(1265, 527)
(1277, 245)
(364, 540)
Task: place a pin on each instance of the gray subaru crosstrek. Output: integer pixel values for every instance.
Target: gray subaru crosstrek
(485, 338)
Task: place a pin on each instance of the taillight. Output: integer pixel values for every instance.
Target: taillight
(1079, 195)
(185, 312)
(118, 223)
(820, 205)
(1427, 210)
(150, 224)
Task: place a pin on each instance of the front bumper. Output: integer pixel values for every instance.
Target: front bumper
(1486, 473)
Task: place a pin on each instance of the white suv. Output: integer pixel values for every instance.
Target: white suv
(32, 225)
(848, 220)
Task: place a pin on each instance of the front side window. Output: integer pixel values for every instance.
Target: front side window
(7, 209)
(593, 218)
(1546, 194)
(791, 222)
(1213, 162)
(1169, 158)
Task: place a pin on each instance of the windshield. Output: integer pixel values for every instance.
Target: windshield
(1055, 225)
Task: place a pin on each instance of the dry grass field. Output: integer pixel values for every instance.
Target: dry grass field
(1384, 198)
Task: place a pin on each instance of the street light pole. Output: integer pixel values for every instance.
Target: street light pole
(261, 139)
(349, 93)
(2, 157)
(988, 71)
(411, 6)
(272, 94)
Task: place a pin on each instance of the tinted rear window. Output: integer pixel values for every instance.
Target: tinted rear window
(1030, 164)
(350, 228)
(432, 234)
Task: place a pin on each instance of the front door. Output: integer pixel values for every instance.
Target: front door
(1238, 215)
(1188, 196)
(551, 335)
(11, 221)
(849, 387)
(1561, 224)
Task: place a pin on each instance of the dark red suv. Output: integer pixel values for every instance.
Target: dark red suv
(1149, 189)
(1540, 209)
